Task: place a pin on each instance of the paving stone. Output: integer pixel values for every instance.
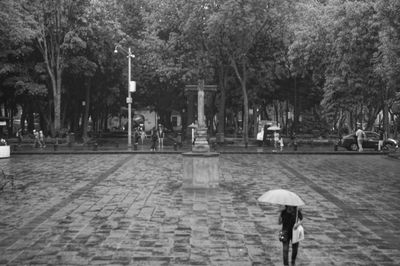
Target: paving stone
(115, 209)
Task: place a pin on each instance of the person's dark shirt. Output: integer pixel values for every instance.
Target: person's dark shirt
(381, 135)
(288, 220)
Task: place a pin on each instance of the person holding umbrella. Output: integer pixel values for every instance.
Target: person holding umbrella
(288, 219)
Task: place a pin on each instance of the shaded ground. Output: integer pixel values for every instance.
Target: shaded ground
(130, 209)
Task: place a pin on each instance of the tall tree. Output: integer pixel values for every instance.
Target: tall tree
(238, 26)
(55, 23)
(387, 58)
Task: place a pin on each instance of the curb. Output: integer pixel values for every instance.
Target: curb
(44, 152)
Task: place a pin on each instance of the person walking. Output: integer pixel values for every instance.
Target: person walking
(381, 137)
(360, 134)
(288, 220)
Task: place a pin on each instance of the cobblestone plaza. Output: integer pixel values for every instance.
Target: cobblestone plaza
(131, 209)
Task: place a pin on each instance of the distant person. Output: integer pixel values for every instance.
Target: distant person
(281, 144)
(42, 144)
(136, 136)
(36, 143)
(3, 142)
(154, 139)
(381, 137)
(293, 138)
(142, 136)
(360, 134)
(276, 139)
(19, 136)
(161, 135)
(288, 221)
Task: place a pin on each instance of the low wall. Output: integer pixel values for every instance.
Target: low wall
(4, 151)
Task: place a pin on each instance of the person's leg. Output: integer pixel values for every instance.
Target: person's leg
(295, 248)
(285, 253)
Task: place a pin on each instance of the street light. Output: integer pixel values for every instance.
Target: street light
(131, 88)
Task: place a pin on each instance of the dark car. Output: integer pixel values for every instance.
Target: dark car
(370, 142)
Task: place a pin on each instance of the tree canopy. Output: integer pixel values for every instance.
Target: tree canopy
(332, 61)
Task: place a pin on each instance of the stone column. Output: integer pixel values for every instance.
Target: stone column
(201, 144)
(200, 105)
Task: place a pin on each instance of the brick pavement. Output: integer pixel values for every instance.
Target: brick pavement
(130, 209)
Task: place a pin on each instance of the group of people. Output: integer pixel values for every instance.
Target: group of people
(360, 136)
(278, 141)
(38, 138)
(157, 136)
(290, 218)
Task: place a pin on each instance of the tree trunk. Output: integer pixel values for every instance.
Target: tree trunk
(295, 108)
(86, 113)
(255, 122)
(49, 42)
(222, 101)
(386, 119)
(242, 80)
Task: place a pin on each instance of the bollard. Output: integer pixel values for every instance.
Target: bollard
(95, 145)
(175, 146)
(55, 147)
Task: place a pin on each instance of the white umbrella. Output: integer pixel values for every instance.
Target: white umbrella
(282, 197)
(274, 128)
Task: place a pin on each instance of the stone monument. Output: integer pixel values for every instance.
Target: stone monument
(200, 166)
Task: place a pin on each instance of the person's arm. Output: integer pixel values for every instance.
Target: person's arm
(299, 221)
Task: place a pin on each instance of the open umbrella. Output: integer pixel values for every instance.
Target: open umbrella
(282, 197)
(274, 128)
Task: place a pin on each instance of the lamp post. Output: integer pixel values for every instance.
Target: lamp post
(131, 88)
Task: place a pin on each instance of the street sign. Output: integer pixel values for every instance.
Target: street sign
(128, 99)
(132, 86)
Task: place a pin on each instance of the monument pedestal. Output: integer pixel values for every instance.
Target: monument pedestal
(200, 169)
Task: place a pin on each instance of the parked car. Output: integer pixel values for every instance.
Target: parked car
(370, 142)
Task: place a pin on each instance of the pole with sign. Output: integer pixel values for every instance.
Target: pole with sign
(129, 99)
(131, 88)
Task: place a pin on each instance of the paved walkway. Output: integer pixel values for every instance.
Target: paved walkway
(130, 209)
